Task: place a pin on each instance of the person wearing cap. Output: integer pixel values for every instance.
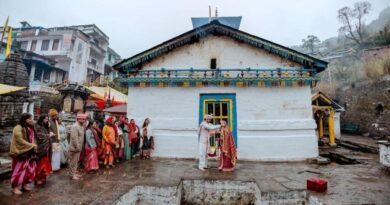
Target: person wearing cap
(203, 137)
(55, 139)
(76, 145)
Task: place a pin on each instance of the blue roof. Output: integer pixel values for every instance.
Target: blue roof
(231, 21)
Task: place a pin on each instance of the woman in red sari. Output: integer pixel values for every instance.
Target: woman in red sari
(23, 152)
(44, 168)
(228, 152)
(91, 162)
(133, 137)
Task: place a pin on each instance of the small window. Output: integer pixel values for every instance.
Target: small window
(56, 43)
(213, 63)
(45, 45)
(33, 45)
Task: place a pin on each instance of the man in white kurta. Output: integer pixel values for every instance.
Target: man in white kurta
(204, 133)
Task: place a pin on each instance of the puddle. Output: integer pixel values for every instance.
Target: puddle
(213, 192)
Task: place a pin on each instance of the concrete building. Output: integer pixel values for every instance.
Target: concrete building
(78, 50)
(262, 89)
(111, 58)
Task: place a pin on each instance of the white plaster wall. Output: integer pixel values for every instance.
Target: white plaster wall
(337, 129)
(273, 123)
(228, 52)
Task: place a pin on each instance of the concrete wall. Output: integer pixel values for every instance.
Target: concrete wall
(273, 123)
(228, 52)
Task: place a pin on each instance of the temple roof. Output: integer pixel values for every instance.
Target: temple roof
(232, 21)
(216, 28)
(320, 99)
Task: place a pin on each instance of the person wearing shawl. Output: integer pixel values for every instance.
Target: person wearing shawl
(91, 156)
(44, 168)
(228, 152)
(134, 137)
(108, 142)
(76, 145)
(126, 141)
(55, 139)
(64, 144)
(23, 152)
(147, 140)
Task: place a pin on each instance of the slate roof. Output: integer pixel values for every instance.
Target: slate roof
(216, 28)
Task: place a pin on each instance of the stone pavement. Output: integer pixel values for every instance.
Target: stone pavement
(363, 183)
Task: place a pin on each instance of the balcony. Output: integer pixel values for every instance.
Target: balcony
(38, 86)
(220, 77)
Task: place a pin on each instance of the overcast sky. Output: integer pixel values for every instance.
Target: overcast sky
(136, 25)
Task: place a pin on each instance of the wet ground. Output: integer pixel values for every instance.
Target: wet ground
(363, 183)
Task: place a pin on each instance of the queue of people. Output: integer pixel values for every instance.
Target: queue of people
(38, 149)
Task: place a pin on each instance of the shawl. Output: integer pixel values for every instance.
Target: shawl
(43, 140)
(228, 145)
(20, 142)
(96, 132)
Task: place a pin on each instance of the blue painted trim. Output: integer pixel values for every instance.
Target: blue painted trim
(218, 96)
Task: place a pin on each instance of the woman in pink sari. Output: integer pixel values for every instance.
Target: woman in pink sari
(91, 161)
(228, 152)
(23, 152)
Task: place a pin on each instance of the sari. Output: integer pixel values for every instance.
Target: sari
(228, 152)
(134, 138)
(91, 156)
(126, 150)
(23, 167)
(64, 144)
(44, 167)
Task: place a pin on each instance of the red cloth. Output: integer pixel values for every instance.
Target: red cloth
(91, 161)
(225, 163)
(43, 169)
(228, 149)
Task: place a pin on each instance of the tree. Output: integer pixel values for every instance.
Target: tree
(352, 20)
(310, 43)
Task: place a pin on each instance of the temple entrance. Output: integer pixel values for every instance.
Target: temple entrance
(221, 107)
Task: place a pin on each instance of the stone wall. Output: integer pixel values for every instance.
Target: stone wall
(368, 105)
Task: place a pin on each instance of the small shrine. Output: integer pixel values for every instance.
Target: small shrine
(74, 98)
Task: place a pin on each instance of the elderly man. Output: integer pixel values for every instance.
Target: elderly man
(204, 133)
(55, 148)
(76, 145)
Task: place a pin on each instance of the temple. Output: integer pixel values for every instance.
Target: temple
(261, 88)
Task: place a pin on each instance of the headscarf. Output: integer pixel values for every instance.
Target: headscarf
(132, 126)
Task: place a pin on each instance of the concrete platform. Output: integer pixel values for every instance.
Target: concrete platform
(347, 184)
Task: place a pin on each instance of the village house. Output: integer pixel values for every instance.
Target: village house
(261, 88)
(79, 51)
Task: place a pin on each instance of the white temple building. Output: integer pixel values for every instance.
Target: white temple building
(261, 88)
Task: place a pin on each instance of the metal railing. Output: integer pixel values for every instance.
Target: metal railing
(221, 73)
